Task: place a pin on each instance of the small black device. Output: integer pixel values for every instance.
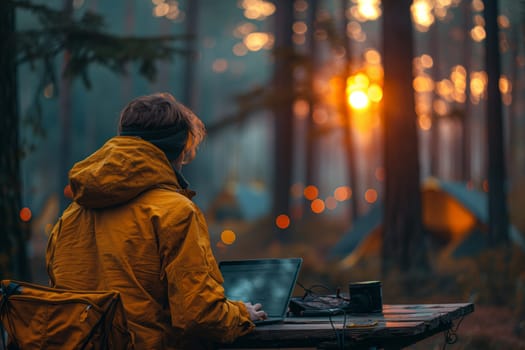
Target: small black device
(366, 297)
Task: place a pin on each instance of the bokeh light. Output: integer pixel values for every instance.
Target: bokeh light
(375, 93)
(68, 193)
(379, 173)
(441, 107)
(257, 40)
(485, 185)
(25, 214)
(478, 83)
(478, 33)
(257, 9)
(299, 27)
(342, 193)
(49, 90)
(505, 85)
(301, 108)
(427, 61)
(297, 190)
(366, 10)
(220, 65)
(282, 221)
(240, 49)
(371, 195)
(358, 100)
(503, 22)
(317, 206)
(320, 116)
(422, 14)
(423, 83)
(372, 57)
(228, 237)
(424, 122)
(244, 29)
(330, 203)
(168, 9)
(300, 5)
(477, 5)
(311, 192)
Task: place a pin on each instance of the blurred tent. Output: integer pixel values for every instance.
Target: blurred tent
(253, 199)
(240, 201)
(454, 216)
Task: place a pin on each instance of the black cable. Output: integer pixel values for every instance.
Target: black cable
(310, 290)
(337, 338)
(343, 330)
(451, 336)
(339, 335)
(3, 306)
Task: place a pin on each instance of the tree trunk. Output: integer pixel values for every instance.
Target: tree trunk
(404, 245)
(192, 25)
(466, 126)
(129, 26)
(513, 129)
(64, 151)
(347, 115)
(13, 237)
(310, 159)
(283, 112)
(311, 144)
(498, 214)
(434, 131)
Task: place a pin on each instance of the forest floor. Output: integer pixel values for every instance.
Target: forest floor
(489, 327)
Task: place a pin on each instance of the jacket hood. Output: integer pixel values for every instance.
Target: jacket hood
(120, 170)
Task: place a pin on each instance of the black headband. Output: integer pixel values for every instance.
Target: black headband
(170, 140)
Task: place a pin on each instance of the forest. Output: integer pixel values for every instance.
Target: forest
(377, 140)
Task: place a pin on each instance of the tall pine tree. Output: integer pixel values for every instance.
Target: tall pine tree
(403, 239)
(87, 43)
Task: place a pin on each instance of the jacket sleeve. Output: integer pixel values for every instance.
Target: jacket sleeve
(196, 297)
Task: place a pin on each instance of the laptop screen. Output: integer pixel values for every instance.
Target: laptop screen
(266, 281)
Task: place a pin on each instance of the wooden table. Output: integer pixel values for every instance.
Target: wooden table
(397, 327)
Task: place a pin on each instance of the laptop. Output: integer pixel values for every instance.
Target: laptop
(266, 281)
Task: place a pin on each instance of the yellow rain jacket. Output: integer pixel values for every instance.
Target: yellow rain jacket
(132, 228)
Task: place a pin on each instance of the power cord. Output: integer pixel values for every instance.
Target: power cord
(310, 290)
(451, 336)
(339, 334)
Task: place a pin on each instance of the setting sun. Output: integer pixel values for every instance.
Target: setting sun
(359, 100)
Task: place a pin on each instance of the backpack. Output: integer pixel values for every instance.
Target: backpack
(38, 317)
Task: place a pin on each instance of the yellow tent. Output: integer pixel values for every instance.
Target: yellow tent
(451, 213)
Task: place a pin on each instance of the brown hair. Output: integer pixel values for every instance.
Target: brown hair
(162, 110)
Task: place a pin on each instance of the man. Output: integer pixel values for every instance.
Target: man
(132, 227)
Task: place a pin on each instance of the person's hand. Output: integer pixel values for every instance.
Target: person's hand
(256, 312)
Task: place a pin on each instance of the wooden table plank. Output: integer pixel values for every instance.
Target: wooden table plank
(398, 326)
